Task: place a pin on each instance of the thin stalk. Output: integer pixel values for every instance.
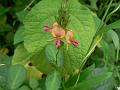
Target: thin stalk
(111, 13)
(106, 12)
(85, 59)
(117, 54)
(29, 5)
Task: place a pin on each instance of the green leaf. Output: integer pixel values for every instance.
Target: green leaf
(81, 23)
(87, 84)
(114, 25)
(5, 63)
(21, 15)
(83, 76)
(114, 37)
(16, 76)
(19, 35)
(24, 87)
(38, 89)
(35, 37)
(83, 26)
(93, 4)
(9, 38)
(51, 51)
(33, 83)
(53, 81)
(53, 55)
(21, 55)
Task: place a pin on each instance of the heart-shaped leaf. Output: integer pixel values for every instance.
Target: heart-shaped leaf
(81, 23)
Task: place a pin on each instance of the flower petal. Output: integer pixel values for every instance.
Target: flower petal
(74, 42)
(56, 32)
(57, 42)
(47, 28)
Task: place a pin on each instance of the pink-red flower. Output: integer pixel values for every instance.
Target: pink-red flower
(60, 33)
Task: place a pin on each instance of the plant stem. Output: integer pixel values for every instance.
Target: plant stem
(29, 5)
(85, 59)
(107, 10)
(110, 14)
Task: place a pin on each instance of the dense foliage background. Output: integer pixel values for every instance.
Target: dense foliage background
(105, 56)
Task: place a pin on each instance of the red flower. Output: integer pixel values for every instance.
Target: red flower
(59, 33)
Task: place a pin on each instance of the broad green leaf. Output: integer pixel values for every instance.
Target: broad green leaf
(81, 23)
(19, 35)
(24, 87)
(33, 83)
(16, 76)
(53, 81)
(5, 63)
(87, 84)
(35, 37)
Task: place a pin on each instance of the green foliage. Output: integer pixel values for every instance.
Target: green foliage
(19, 35)
(93, 81)
(53, 81)
(81, 25)
(38, 64)
(16, 76)
(33, 83)
(24, 88)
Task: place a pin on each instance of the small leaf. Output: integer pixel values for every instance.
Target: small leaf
(53, 81)
(24, 87)
(19, 35)
(16, 76)
(38, 88)
(114, 37)
(21, 15)
(33, 83)
(21, 56)
(53, 55)
(51, 51)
